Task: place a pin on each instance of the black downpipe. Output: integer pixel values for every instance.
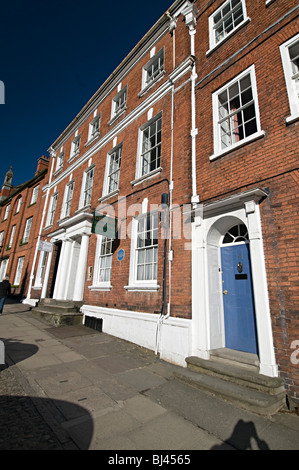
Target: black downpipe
(165, 227)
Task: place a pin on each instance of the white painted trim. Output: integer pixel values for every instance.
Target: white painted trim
(207, 307)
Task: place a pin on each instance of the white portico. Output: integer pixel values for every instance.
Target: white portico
(74, 236)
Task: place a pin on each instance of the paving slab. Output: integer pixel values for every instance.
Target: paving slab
(93, 391)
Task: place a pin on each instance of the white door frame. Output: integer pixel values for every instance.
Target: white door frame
(207, 305)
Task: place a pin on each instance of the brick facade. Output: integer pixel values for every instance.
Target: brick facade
(252, 181)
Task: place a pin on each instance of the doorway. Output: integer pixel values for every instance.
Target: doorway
(237, 291)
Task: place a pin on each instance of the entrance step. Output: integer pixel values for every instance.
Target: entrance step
(59, 312)
(240, 358)
(237, 382)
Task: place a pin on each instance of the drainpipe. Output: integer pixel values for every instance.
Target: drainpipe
(28, 299)
(190, 13)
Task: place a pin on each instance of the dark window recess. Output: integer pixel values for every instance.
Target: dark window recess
(94, 323)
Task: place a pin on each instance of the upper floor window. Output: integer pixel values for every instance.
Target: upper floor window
(19, 203)
(153, 69)
(94, 128)
(87, 185)
(7, 209)
(226, 19)
(68, 196)
(13, 230)
(290, 59)
(27, 230)
(150, 146)
(75, 148)
(60, 160)
(236, 113)
(119, 103)
(111, 182)
(34, 195)
(52, 208)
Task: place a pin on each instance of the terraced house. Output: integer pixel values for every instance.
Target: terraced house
(20, 227)
(172, 203)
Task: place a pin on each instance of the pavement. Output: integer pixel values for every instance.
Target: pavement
(74, 388)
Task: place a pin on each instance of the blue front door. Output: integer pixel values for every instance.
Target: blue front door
(239, 315)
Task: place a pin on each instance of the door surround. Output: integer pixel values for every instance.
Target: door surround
(208, 230)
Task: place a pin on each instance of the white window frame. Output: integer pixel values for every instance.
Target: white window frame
(136, 284)
(111, 172)
(67, 200)
(1, 238)
(7, 209)
(19, 270)
(218, 150)
(3, 268)
(212, 32)
(290, 76)
(34, 194)
(94, 128)
(98, 284)
(75, 147)
(27, 230)
(52, 208)
(84, 201)
(153, 70)
(13, 231)
(119, 103)
(59, 163)
(41, 269)
(19, 205)
(140, 174)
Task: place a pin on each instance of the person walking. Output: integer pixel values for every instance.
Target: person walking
(5, 290)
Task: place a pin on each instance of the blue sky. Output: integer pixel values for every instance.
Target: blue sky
(54, 55)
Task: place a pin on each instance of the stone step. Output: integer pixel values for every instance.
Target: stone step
(233, 372)
(58, 319)
(244, 397)
(59, 312)
(240, 358)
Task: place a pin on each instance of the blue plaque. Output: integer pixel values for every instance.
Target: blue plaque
(120, 254)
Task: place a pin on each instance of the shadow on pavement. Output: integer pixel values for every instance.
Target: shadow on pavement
(17, 350)
(23, 427)
(242, 437)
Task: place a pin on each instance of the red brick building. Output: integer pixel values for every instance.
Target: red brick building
(20, 207)
(194, 117)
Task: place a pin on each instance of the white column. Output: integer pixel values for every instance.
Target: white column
(46, 277)
(81, 269)
(60, 284)
(259, 280)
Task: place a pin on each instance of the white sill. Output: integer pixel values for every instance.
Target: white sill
(268, 2)
(103, 288)
(92, 139)
(147, 176)
(108, 196)
(56, 172)
(73, 156)
(83, 208)
(152, 83)
(247, 140)
(117, 115)
(292, 118)
(143, 287)
(215, 46)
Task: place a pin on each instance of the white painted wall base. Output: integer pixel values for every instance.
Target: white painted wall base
(173, 336)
